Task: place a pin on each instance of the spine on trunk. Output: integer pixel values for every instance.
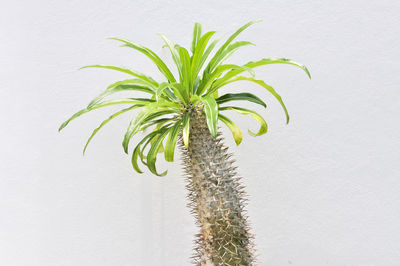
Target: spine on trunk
(216, 199)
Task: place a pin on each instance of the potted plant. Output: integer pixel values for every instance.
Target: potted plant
(185, 110)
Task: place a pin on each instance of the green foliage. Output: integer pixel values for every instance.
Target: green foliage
(167, 109)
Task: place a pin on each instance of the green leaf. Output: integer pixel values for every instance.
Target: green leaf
(209, 79)
(152, 154)
(217, 57)
(137, 122)
(269, 61)
(127, 71)
(150, 141)
(158, 122)
(236, 132)
(263, 129)
(198, 54)
(240, 97)
(105, 122)
(171, 142)
(160, 89)
(230, 50)
(97, 106)
(180, 91)
(186, 129)
(211, 111)
(150, 88)
(119, 88)
(265, 61)
(269, 88)
(151, 55)
(206, 53)
(174, 53)
(164, 88)
(137, 151)
(186, 74)
(196, 36)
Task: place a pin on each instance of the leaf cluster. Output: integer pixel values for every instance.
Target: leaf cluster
(201, 73)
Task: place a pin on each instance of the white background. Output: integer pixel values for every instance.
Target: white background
(324, 190)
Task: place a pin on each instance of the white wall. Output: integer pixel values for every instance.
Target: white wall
(324, 190)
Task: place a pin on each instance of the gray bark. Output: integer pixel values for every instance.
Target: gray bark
(216, 199)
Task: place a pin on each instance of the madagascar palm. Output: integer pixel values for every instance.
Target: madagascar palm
(185, 109)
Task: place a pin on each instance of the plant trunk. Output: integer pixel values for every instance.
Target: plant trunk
(216, 199)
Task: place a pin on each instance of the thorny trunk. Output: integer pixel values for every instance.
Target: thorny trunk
(216, 199)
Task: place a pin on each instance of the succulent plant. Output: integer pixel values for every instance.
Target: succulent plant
(186, 109)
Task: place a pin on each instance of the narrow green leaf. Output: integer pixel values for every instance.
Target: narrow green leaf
(152, 154)
(160, 89)
(265, 61)
(207, 53)
(230, 50)
(137, 122)
(137, 150)
(174, 53)
(215, 60)
(127, 71)
(208, 80)
(240, 97)
(269, 61)
(119, 88)
(105, 122)
(198, 53)
(196, 36)
(151, 55)
(236, 132)
(180, 91)
(158, 122)
(171, 142)
(186, 129)
(151, 88)
(211, 111)
(269, 88)
(97, 106)
(263, 129)
(186, 74)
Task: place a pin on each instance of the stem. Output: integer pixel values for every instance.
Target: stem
(216, 199)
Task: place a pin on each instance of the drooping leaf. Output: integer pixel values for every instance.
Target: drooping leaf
(152, 154)
(149, 109)
(240, 97)
(120, 88)
(236, 132)
(265, 61)
(105, 122)
(97, 106)
(151, 55)
(137, 150)
(151, 88)
(263, 129)
(155, 122)
(127, 71)
(211, 111)
(171, 142)
(269, 88)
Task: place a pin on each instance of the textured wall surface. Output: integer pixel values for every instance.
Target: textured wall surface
(324, 190)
